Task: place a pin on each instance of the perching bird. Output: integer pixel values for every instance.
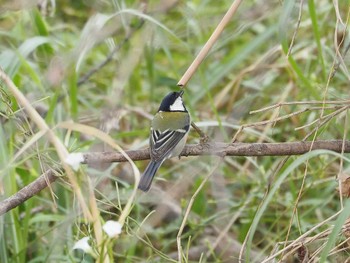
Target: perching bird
(169, 131)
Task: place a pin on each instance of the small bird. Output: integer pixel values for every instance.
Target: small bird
(169, 130)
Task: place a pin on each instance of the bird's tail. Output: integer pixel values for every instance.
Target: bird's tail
(147, 176)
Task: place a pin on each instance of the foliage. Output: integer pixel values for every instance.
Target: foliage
(107, 64)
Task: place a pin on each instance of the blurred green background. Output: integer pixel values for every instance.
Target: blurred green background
(108, 64)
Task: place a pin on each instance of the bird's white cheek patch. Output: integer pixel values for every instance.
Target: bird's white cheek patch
(177, 105)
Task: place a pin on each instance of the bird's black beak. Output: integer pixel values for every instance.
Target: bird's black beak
(182, 93)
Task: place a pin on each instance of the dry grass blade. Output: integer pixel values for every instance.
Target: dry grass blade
(302, 239)
(188, 210)
(107, 139)
(60, 148)
(208, 45)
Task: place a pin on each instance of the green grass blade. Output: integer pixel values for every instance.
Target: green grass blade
(316, 30)
(345, 214)
(294, 165)
(282, 32)
(73, 93)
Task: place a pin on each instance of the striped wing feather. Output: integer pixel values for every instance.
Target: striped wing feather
(162, 143)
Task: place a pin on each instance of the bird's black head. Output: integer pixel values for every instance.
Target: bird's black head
(173, 102)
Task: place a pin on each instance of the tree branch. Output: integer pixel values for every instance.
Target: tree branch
(28, 191)
(227, 149)
(211, 148)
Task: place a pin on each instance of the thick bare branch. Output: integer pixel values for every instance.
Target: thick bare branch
(28, 191)
(227, 149)
(211, 148)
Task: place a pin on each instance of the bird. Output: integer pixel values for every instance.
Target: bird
(169, 130)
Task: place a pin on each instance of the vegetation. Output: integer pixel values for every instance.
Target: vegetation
(107, 64)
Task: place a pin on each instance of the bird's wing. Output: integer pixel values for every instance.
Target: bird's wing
(163, 142)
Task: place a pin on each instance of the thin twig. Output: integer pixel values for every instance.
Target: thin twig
(328, 117)
(331, 102)
(296, 28)
(338, 43)
(204, 137)
(267, 122)
(324, 119)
